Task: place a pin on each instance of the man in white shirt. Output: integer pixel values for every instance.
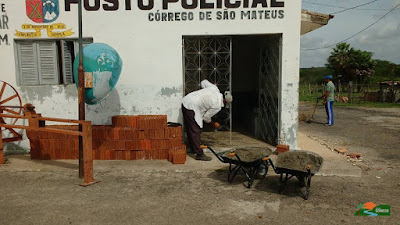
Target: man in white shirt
(202, 105)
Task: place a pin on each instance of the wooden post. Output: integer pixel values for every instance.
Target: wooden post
(87, 154)
(1, 148)
(350, 91)
(81, 90)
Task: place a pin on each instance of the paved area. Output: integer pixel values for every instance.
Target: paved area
(334, 164)
(157, 192)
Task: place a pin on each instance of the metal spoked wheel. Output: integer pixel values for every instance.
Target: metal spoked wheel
(10, 102)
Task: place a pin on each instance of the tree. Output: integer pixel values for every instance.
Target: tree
(385, 70)
(352, 64)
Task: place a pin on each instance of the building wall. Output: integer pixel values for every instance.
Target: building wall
(151, 78)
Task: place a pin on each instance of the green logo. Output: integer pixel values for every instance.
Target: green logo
(370, 209)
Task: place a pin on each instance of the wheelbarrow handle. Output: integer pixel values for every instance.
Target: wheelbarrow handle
(273, 166)
(218, 156)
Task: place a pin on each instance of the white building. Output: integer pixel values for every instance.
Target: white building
(251, 47)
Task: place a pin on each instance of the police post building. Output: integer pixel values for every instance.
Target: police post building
(250, 47)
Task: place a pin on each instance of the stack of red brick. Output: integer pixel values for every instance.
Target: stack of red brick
(46, 145)
(129, 138)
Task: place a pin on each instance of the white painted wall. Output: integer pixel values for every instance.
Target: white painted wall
(151, 79)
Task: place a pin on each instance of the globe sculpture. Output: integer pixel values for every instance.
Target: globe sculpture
(105, 64)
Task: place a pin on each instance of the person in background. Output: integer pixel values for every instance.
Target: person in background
(199, 106)
(328, 99)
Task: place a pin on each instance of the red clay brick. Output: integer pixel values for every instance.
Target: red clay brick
(112, 154)
(31, 134)
(35, 149)
(149, 154)
(104, 132)
(354, 155)
(108, 145)
(155, 134)
(76, 153)
(128, 133)
(96, 154)
(146, 122)
(107, 154)
(170, 154)
(161, 154)
(159, 144)
(120, 155)
(139, 155)
(132, 145)
(142, 134)
(282, 148)
(174, 143)
(103, 154)
(173, 132)
(51, 144)
(42, 135)
(179, 156)
(125, 121)
(145, 144)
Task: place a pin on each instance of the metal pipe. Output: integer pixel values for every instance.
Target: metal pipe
(81, 89)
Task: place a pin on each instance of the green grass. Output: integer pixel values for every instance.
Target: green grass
(369, 104)
(313, 98)
(310, 93)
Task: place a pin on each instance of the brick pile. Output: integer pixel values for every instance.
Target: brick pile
(129, 138)
(46, 145)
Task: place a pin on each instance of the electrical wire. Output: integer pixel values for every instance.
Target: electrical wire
(314, 3)
(335, 6)
(328, 46)
(344, 10)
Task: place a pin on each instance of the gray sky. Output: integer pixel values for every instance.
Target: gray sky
(383, 39)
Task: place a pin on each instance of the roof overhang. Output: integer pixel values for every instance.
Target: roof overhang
(312, 20)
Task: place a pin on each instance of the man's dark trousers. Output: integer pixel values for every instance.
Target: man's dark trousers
(193, 130)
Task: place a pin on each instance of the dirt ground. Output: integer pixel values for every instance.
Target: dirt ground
(157, 192)
(373, 132)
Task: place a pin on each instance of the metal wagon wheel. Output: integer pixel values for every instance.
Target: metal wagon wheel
(10, 103)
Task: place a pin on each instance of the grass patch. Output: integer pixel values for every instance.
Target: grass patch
(369, 104)
(313, 99)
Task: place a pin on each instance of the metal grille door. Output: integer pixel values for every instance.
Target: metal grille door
(208, 58)
(269, 81)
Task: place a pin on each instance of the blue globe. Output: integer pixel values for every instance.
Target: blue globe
(105, 64)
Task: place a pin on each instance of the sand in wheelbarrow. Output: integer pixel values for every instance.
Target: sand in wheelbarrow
(299, 160)
(249, 154)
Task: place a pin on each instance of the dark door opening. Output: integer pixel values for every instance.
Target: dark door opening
(255, 86)
(249, 66)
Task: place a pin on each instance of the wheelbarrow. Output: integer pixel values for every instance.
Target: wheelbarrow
(301, 164)
(249, 164)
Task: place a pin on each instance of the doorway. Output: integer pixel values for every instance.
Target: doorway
(247, 65)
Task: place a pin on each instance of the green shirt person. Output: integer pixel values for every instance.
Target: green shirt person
(329, 99)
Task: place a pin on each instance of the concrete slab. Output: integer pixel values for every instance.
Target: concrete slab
(23, 163)
(334, 164)
(225, 141)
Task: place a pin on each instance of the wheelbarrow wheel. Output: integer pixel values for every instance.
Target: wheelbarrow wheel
(262, 171)
(302, 180)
